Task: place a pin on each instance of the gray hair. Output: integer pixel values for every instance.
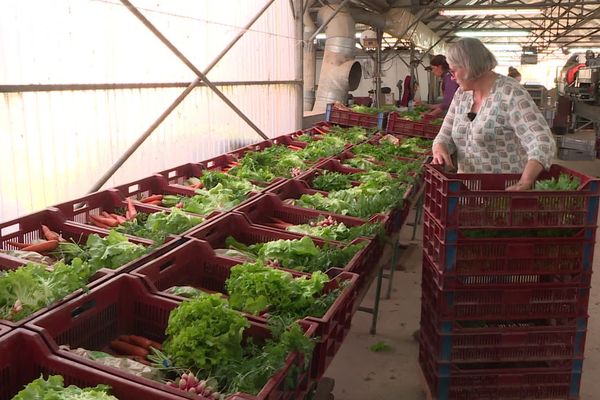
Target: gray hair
(472, 55)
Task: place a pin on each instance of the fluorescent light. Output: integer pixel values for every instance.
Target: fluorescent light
(321, 36)
(495, 33)
(490, 11)
(583, 49)
(503, 46)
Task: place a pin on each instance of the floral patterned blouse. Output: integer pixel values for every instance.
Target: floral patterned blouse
(507, 131)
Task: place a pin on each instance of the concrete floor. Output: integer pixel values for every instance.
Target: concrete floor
(362, 374)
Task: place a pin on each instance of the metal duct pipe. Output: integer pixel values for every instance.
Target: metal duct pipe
(309, 62)
(339, 71)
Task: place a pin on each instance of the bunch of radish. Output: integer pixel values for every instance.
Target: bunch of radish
(296, 171)
(189, 383)
(273, 263)
(329, 221)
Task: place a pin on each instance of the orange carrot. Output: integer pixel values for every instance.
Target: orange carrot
(120, 219)
(139, 359)
(18, 245)
(99, 224)
(233, 163)
(104, 220)
(179, 205)
(152, 198)
(291, 147)
(49, 234)
(42, 246)
(198, 185)
(140, 341)
(155, 203)
(128, 349)
(131, 208)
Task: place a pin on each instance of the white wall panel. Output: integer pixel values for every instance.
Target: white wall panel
(56, 144)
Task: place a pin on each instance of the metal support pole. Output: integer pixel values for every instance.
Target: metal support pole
(378, 68)
(191, 66)
(324, 24)
(175, 103)
(299, 75)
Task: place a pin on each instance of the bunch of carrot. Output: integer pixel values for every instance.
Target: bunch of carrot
(40, 246)
(229, 166)
(108, 220)
(135, 347)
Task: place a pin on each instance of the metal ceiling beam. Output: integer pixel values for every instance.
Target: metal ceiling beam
(584, 37)
(508, 6)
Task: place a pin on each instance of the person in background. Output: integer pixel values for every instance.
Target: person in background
(439, 67)
(492, 125)
(514, 73)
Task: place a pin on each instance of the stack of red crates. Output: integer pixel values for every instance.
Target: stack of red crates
(505, 287)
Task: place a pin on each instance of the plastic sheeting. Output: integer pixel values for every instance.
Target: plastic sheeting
(399, 23)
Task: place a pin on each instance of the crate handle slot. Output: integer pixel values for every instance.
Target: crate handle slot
(210, 164)
(7, 230)
(133, 188)
(76, 313)
(166, 265)
(172, 174)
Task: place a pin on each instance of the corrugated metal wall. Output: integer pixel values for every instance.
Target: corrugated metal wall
(56, 144)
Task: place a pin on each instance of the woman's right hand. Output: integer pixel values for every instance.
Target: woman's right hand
(441, 155)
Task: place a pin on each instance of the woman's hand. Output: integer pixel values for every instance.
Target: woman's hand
(521, 185)
(441, 155)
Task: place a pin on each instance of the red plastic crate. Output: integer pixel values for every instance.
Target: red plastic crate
(25, 357)
(350, 118)
(79, 210)
(294, 189)
(195, 264)
(125, 306)
(260, 211)
(502, 341)
(238, 226)
(157, 184)
(504, 301)
(28, 228)
(178, 175)
(221, 163)
(400, 126)
(519, 380)
(481, 201)
(463, 261)
(4, 329)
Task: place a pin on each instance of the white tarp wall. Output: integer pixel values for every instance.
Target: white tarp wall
(55, 144)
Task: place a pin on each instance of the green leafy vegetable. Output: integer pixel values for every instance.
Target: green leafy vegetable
(204, 332)
(53, 389)
(27, 289)
(157, 226)
(564, 182)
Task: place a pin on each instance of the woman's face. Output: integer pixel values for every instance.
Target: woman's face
(437, 70)
(459, 74)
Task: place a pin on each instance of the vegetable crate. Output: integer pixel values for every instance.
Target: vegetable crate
(293, 189)
(502, 341)
(178, 175)
(225, 162)
(125, 306)
(240, 228)
(4, 330)
(26, 357)
(469, 257)
(491, 300)
(195, 264)
(481, 201)
(267, 209)
(400, 126)
(349, 118)
(82, 210)
(557, 379)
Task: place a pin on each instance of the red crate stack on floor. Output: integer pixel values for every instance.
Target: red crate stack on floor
(505, 286)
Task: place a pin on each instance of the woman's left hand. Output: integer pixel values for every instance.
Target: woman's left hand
(519, 186)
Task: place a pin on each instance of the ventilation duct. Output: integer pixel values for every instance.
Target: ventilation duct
(310, 62)
(340, 73)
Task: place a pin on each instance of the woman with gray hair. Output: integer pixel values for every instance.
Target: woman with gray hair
(492, 125)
